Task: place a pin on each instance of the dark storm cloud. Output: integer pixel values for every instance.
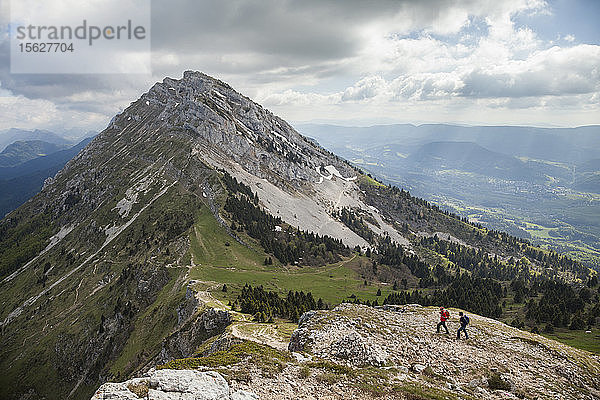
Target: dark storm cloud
(272, 39)
(334, 51)
(268, 40)
(319, 30)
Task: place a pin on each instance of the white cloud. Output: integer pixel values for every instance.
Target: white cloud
(551, 72)
(294, 98)
(394, 59)
(21, 112)
(509, 68)
(366, 88)
(555, 72)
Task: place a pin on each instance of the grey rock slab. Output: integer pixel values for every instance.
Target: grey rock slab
(169, 384)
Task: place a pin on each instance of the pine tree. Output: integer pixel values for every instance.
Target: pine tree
(577, 323)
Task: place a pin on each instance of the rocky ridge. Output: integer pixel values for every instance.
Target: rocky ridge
(404, 337)
(359, 352)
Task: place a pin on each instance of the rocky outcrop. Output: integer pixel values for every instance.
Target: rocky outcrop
(185, 341)
(390, 352)
(227, 126)
(342, 343)
(168, 384)
(222, 343)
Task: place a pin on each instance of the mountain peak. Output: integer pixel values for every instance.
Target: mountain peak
(226, 127)
(197, 78)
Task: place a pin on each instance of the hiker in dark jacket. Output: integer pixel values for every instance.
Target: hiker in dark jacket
(464, 321)
(444, 315)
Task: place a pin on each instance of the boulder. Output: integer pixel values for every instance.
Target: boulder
(170, 384)
(358, 350)
(203, 385)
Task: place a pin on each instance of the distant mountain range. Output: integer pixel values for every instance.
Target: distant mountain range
(471, 157)
(574, 145)
(12, 135)
(25, 150)
(25, 165)
(68, 137)
(537, 183)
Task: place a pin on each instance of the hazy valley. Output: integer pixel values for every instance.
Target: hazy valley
(534, 183)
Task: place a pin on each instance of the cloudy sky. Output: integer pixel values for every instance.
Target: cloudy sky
(526, 62)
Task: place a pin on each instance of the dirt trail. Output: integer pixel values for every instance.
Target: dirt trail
(262, 333)
(242, 327)
(205, 297)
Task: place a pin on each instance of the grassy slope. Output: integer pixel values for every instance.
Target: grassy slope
(571, 216)
(577, 339)
(150, 328)
(70, 317)
(221, 259)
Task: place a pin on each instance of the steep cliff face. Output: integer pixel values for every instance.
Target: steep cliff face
(185, 340)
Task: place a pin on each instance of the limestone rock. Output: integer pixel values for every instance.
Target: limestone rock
(358, 350)
(243, 395)
(169, 384)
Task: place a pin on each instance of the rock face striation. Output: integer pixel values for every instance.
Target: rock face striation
(169, 384)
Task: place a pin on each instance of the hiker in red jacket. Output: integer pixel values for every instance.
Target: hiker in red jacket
(444, 315)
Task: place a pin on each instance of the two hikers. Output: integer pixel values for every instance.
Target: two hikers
(444, 315)
(464, 321)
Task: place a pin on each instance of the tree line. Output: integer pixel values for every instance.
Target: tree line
(478, 295)
(266, 305)
(356, 224)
